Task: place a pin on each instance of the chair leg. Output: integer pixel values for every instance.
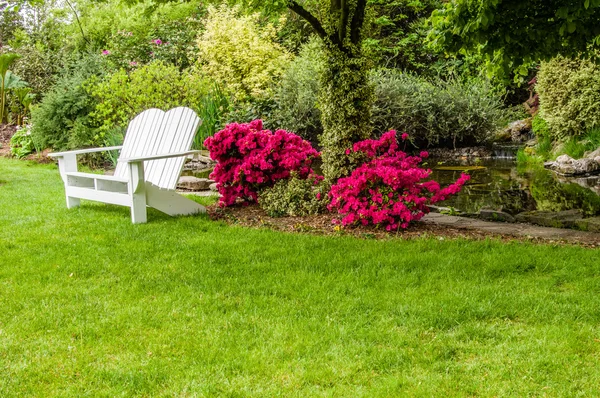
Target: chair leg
(138, 212)
(73, 202)
(137, 192)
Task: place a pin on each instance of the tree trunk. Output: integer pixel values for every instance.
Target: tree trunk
(346, 100)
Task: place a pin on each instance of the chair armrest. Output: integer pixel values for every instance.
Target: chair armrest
(82, 151)
(156, 157)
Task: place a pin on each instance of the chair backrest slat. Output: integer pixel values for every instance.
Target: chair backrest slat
(155, 132)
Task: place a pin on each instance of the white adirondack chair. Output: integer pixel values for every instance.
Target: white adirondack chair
(149, 165)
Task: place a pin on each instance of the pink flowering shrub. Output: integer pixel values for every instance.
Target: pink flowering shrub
(390, 188)
(251, 159)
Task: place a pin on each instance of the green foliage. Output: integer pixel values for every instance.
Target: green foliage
(121, 95)
(62, 119)
(239, 53)
(172, 42)
(21, 143)
(397, 32)
(6, 61)
(574, 148)
(21, 101)
(213, 109)
(569, 91)
(435, 113)
(514, 34)
(540, 126)
(298, 93)
(38, 67)
(295, 197)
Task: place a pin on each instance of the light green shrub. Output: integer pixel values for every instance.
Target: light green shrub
(539, 126)
(121, 96)
(239, 53)
(445, 113)
(569, 91)
(295, 197)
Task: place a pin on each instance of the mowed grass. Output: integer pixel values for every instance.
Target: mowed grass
(91, 305)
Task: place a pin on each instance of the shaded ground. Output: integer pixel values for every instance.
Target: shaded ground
(433, 225)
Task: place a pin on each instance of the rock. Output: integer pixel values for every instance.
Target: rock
(193, 183)
(494, 215)
(531, 143)
(589, 224)
(559, 219)
(593, 155)
(213, 187)
(520, 131)
(568, 166)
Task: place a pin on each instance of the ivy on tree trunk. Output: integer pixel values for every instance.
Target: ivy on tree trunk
(346, 96)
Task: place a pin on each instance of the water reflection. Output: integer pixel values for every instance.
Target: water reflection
(501, 185)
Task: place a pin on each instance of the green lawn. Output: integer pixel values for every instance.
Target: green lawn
(91, 305)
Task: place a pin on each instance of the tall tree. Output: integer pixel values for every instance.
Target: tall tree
(347, 96)
(514, 33)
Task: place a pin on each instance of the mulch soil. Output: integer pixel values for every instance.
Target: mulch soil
(254, 217)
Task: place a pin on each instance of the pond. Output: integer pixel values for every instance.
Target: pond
(499, 184)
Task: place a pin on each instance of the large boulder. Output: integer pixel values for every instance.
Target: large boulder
(520, 131)
(194, 183)
(567, 166)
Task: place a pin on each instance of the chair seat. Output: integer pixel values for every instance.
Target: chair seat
(97, 176)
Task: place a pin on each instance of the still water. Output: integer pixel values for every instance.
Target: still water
(500, 185)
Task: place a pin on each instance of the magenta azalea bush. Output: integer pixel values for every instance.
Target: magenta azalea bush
(250, 159)
(390, 189)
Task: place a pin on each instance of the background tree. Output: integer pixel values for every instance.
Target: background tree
(514, 33)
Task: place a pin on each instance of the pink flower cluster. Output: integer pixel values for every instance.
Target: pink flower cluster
(250, 159)
(389, 189)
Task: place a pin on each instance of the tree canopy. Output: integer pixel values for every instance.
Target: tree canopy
(514, 33)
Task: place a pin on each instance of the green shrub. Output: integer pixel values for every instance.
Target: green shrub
(21, 143)
(241, 54)
(569, 91)
(445, 113)
(295, 197)
(66, 108)
(37, 67)
(122, 95)
(298, 93)
(539, 126)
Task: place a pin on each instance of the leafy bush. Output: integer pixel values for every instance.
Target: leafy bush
(539, 126)
(21, 143)
(446, 113)
(298, 93)
(251, 159)
(239, 53)
(121, 95)
(569, 91)
(38, 68)
(388, 189)
(295, 196)
(172, 42)
(67, 107)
